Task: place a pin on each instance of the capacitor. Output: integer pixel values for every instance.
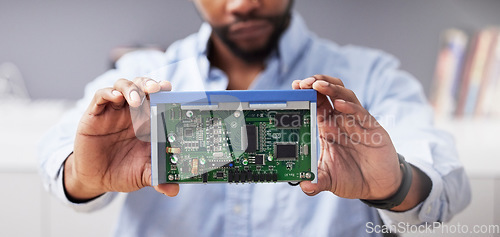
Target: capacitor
(237, 114)
(171, 137)
(174, 159)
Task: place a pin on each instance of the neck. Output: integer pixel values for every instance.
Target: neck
(240, 73)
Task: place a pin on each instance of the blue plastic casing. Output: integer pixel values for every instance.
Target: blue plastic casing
(251, 96)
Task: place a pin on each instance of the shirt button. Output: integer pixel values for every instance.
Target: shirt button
(237, 209)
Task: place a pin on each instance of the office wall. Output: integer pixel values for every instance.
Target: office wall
(59, 46)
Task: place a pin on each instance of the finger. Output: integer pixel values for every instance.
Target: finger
(104, 97)
(336, 136)
(333, 80)
(307, 83)
(147, 85)
(170, 190)
(356, 112)
(132, 93)
(335, 91)
(165, 86)
(365, 128)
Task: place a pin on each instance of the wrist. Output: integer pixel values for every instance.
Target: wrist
(402, 191)
(419, 191)
(77, 191)
(399, 179)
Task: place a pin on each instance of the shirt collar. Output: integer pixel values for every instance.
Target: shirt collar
(292, 44)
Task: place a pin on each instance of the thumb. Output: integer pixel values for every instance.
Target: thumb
(312, 189)
(146, 175)
(170, 190)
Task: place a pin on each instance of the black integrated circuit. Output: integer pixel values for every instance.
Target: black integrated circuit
(286, 151)
(259, 159)
(249, 139)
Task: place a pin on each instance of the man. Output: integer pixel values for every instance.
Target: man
(261, 44)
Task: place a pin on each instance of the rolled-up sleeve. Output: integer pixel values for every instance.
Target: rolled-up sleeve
(398, 102)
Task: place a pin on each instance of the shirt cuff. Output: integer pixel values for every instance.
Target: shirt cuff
(426, 211)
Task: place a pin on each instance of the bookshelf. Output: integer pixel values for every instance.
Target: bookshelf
(467, 78)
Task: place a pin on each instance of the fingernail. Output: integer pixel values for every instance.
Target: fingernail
(309, 80)
(150, 83)
(165, 82)
(340, 100)
(321, 83)
(134, 96)
(116, 93)
(309, 191)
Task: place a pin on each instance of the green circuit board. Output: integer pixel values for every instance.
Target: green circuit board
(235, 146)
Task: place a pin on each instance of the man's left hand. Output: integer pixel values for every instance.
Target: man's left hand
(357, 159)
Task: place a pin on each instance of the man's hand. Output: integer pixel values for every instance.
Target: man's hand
(112, 149)
(358, 159)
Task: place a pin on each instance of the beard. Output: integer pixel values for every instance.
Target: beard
(279, 24)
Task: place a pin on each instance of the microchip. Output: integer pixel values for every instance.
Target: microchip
(285, 151)
(249, 138)
(188, 132)
(288, 120)
(220, 175)
(259, 159)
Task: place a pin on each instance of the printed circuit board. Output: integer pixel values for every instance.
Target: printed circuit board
(233, 136)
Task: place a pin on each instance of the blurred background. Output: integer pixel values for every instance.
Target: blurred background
(49, 50)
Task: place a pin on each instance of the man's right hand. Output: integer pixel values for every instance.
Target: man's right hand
(112, 150)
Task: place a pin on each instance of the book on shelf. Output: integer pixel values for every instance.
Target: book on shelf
(467, 78)
(453, 47)
(488, 102)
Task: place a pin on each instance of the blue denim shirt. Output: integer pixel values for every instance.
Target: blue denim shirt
(393, 96)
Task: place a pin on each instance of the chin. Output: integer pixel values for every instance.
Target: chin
(253, 45)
